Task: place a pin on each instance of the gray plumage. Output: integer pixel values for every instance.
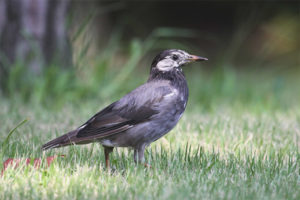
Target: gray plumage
(143, 115)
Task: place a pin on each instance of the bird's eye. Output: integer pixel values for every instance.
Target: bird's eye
(174, 57)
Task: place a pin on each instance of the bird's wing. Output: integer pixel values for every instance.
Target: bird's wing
(138, 106)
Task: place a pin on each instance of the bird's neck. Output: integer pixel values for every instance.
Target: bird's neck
(175, 76)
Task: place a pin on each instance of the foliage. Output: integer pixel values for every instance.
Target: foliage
(103, 78)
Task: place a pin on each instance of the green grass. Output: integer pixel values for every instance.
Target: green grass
(239, 139)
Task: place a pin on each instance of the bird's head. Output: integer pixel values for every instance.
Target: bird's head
(171, 59)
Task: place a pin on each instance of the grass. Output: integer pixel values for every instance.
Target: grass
(239, 139)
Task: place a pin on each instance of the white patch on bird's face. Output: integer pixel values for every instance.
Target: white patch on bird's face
(166, 64)
(174, 60)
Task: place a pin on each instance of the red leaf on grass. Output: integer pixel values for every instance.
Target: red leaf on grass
(15, 162)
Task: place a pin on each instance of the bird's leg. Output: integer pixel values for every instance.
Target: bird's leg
(135, 156)
(139, 155)
(107, 151)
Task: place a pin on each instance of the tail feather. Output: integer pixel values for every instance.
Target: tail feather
(61, 141)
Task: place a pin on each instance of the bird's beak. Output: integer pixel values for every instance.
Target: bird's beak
(193, 58)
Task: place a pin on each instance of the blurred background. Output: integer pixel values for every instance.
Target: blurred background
(61, 61)
(59, 52)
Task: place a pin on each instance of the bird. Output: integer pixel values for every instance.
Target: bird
(143, 115)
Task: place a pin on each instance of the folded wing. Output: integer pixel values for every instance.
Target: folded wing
(136, 107)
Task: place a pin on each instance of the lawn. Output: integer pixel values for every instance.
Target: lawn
(238, 139)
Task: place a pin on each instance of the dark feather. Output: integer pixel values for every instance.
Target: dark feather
(63, 140)
(122, 115)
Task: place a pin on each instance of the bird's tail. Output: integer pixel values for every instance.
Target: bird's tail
(61, 141)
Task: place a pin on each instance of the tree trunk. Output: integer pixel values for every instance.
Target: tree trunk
(33, 32)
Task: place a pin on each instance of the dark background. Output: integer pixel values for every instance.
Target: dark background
(242, 32)
(81, 45)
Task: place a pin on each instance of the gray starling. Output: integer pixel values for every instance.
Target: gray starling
(141, 116)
